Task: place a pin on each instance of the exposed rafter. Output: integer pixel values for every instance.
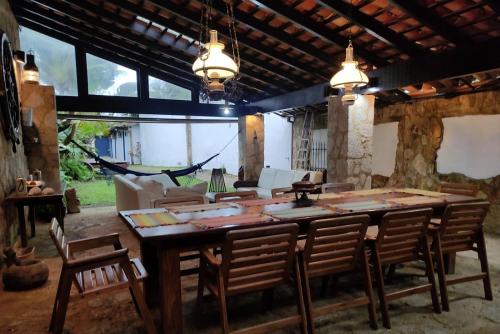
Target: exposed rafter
(250, 43)
(317, 29)
(427, 17)
(494, 4)
(373, 26)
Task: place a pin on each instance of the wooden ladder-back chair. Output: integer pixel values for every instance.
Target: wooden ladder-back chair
(95, 274)
(253, 260)
(461, 229)
(217, 184)
(466, 189)
(235, 196)
(337, 187)
(402, 237)
(178, 200)
(333, 247)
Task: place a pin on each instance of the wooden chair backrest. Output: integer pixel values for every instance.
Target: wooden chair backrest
(258, 258)
(337, 187)
(178, 200)
(461, 225)
(57, 235)
(466, 189)
(235, 196)
(334, 245)
(402, 234)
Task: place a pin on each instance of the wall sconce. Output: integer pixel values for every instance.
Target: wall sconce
(30, 70)
(19, 56)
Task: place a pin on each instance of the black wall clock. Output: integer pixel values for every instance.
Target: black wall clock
(9, 99)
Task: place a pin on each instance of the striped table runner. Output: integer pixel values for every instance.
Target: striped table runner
(415, 200)
(198, 207)
(142, 220)
(250, 218)
(312, 211)
(264, 201)
(361, 206)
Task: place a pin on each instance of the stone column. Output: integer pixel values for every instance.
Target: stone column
(350, 134)
(251, 145)
(43, 149)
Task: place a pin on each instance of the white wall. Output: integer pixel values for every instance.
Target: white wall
(208, 139)
(277, 141)
(385, 142)
(471, 146)
(163, 144)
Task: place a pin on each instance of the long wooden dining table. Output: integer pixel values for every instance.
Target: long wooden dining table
(188, 228)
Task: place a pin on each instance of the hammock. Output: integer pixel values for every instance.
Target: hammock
(121, 170)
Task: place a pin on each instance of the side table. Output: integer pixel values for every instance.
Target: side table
(21, 201)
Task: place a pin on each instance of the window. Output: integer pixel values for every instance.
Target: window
(159, 89)
(108, 78)
(55, 60)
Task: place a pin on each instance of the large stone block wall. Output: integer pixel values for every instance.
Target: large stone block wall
(420, 134)
(11, 165)
(350, 134)
(43, 148)
(251, 145)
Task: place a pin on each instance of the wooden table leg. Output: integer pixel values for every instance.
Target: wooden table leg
(170, 291)
(149, 258)
(59, 206)
(31, 218)
(22, 225)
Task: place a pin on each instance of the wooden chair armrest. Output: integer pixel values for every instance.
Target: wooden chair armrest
(210, 258)
(95, 261)
(94, 242)
(249, 183)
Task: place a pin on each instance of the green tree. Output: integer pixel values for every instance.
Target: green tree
(160, 89)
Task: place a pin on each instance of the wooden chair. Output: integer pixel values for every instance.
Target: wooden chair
(178, 200)
(217, 184)
(402, 237)
(466, 189)
(336, 187)
(256, 259)
(235, 196)
(333, 247)
(95, 274)
(461, 229)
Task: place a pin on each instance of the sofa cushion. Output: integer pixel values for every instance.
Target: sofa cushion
(200, 188)
(151, 189)
(283, 178)
(164, 179)
(266, 179)
(131, 177)
(298, 175)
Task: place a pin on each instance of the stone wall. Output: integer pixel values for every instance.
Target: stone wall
(11, 165)
(251, 145)
(350, 133)
(42, 148)
(420, 134)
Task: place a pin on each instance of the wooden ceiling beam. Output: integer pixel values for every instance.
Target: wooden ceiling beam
(154, 17)
(494, 4)
(373, 26)
(318, 29)
(452, 64)
(99, 27)
(433, 21)
(301, 47)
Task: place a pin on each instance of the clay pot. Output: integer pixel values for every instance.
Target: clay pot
(31, 274)
(27, 253)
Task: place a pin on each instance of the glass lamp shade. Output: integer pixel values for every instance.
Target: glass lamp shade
(30, 70)
(350, 76)
(214, 63)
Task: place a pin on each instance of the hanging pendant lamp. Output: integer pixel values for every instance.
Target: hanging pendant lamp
(214, 63)
(349, 77)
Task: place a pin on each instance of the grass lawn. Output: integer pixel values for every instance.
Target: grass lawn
(100, 192)
(96, 192)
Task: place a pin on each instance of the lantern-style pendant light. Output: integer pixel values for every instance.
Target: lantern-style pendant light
(214, 64)
(30, 70)
(349, 77)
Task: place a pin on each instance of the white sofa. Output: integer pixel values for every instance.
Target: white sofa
(272, 178)
(140, 192)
